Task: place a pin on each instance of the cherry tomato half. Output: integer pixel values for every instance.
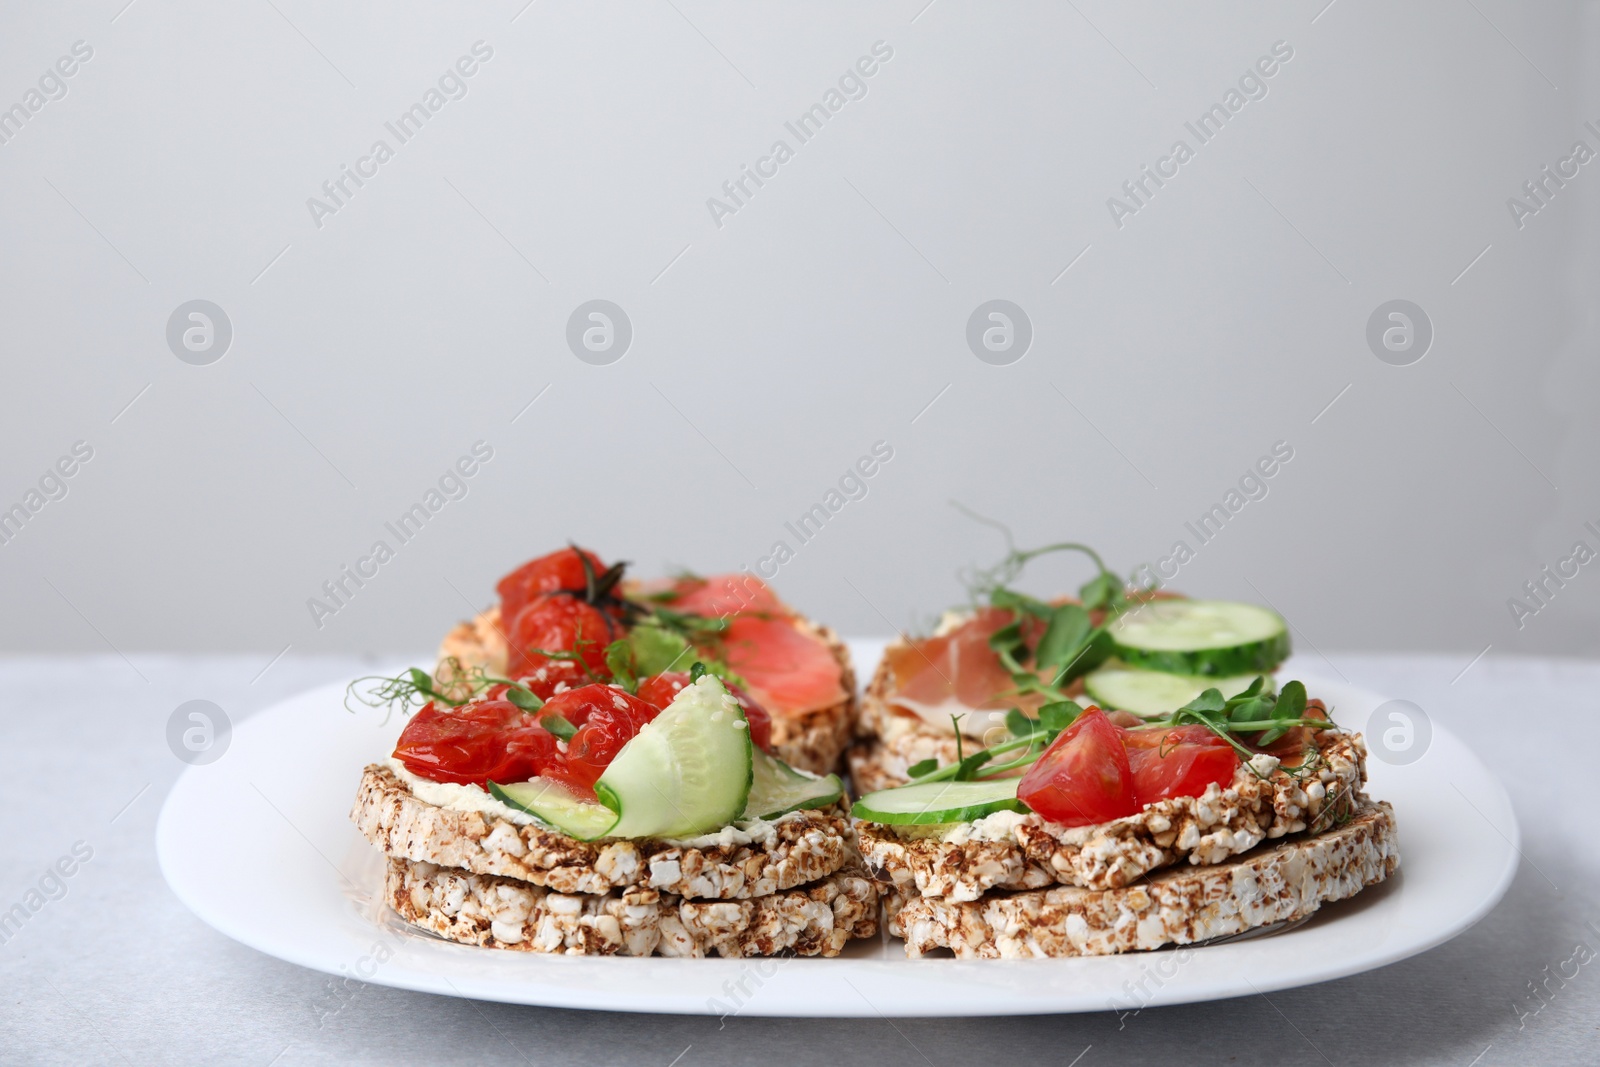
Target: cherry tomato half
(607, 717)
(484, 741)
(1177, 761)
(553, 676)
(1083, 777)
(557, 622)
(561, 569)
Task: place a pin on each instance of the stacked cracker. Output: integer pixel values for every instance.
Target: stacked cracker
(791, 886)
(1270, 848)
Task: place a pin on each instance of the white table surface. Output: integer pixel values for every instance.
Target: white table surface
(117, 971)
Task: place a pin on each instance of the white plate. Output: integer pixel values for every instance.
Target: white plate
(259, 845)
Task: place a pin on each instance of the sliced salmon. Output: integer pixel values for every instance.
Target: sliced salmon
(725, 594)
(789, 671)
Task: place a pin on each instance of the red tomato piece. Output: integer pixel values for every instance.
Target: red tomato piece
(484, 741)
(561, 569)
(607, 718)
(1083, 777)
(557, 622)
(531, 751)
(574, 705)
(554, 676)
(1177, 761)
(659, 689)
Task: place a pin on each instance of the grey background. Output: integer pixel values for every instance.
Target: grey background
(827, 314)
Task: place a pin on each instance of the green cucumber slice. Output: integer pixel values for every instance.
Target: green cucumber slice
(1155, 692)
(551, 802)
(1213, 638)
(935, 802)
(777, 789)
(687, 772)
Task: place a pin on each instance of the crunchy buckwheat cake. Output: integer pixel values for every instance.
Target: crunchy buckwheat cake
(813, 741)
(1010, 850)
(1278, 883)
(736, 863)
(816, 919)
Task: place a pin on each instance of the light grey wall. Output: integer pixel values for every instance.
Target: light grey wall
(828, 313)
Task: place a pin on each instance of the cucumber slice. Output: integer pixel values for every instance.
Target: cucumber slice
(934, 802)
(1155, 692)
(551, 802)
(686, 772)
(1213, 638)
(777, 789)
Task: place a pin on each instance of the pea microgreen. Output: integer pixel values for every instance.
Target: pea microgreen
(452, 685)
(1268, 716)
(1072, 643)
